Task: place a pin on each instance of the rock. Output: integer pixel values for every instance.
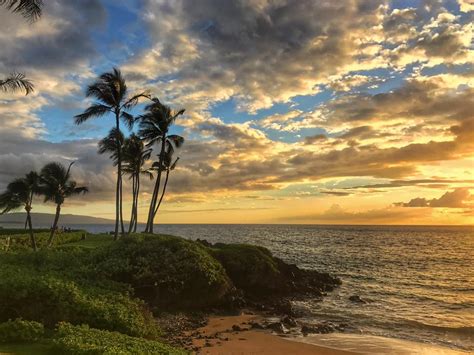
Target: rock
(356, 299)
(256, 325)
(320, 328)
(277, 327)
(287, 320)
(236, 328)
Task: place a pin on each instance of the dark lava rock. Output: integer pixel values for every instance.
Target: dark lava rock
(236, 328)
(289, 321)
(356, 299)
(321, 328)
(277, 327)
(256, 325)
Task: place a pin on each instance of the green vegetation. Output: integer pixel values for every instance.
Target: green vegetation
(100, 296)
(252, 269)
(20, 331)
(84, 340)
(165, 271)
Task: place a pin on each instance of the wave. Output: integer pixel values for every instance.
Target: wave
(457, 330)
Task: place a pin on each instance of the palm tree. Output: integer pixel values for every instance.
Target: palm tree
(29, 9)
(16, 82)
(32, 179)
(154, 126)
(56, 185)
(135, 156)
(110, 91)
(19, 193)
(167, 166)
(113, 144)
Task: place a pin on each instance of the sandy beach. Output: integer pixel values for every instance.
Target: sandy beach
(219, 337)
(233, 335)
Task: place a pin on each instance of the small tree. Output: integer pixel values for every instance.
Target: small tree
(19, 193)
(56, 186)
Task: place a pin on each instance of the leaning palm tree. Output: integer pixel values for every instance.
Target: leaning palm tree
(29, 9)
(112, 144)
(32, 179)
(56, 185)
(16, 82)
(154, 127)
(168, 166)
(19, 193)
(135, 155)
(110, 91)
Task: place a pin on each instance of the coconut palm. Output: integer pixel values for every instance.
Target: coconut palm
(113, 144)
(29, 9)
(135, 156)
(19, 193)
(154, 127)
(168, 166)
(110, 91)
(56, 185)
(32, 179)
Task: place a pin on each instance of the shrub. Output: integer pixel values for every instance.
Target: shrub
(49, 297)
(165, 271)
(19, 331)
(84, 340)
(20, 239)
(251, 268)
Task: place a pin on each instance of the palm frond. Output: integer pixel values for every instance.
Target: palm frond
(16, 82)
(133, 101)
(29, 9)
(178, 141)
(95, 110)
(128, 119)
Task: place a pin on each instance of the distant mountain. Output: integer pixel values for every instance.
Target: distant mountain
(46, 219)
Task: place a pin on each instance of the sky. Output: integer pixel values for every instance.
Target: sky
(297, 111)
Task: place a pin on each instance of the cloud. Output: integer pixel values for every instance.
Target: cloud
(459, 198)
(339, 215)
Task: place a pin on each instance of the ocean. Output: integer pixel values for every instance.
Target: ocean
(417, 281)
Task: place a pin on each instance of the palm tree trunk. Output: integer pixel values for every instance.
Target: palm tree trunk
(119, 177)
(134, 191)
(121, 205)
(55, 225)
(164, 190)
(151, 212)
(136, 204)
(30, 225)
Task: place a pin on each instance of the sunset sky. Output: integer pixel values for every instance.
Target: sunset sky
(297, 111)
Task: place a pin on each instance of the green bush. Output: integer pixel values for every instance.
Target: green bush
(251, 268)
(49, 297)
(165, 271)
(20, 239)
(19, 331)
(84, 340)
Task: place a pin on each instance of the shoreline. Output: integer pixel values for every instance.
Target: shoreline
(237, 334)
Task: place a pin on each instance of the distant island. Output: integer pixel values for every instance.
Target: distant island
(46, 219)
